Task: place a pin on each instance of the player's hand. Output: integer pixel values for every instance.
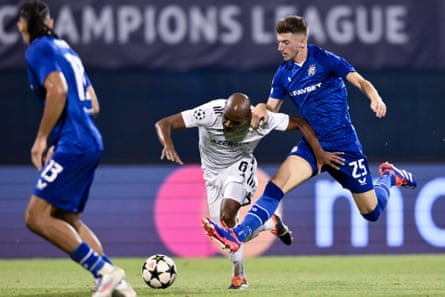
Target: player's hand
(49, 154)
(332, 159)
(259, 115)
(379, 107)
(170, 154)
(38, 152)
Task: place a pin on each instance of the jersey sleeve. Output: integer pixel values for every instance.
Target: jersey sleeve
(277, 121)
(203, 115)
(339, 65)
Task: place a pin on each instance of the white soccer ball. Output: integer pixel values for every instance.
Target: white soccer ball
(159, 271)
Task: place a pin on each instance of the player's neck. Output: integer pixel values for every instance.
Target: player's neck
(301, 57)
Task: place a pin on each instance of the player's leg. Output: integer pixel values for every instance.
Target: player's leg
(85, 233)
(370, 199)
(39, 219)
(372, 203)
(239, 280)
(356, 177)
(63, 188)
(225, 212)
(294, 171)
(229, 214)
(230, 209)
(123, 289)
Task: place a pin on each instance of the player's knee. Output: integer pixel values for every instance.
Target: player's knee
(32, 221)
(373, 215)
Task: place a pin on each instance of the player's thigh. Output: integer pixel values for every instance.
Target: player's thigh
(237, 182)
(292, 172)
(71, 218)
(37, 209)
(366, 202)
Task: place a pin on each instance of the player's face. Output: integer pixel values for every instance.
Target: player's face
(22, 28)
(233, 121)
(236, 125)
(290, 45)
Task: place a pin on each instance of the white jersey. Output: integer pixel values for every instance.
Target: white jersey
(216, 152)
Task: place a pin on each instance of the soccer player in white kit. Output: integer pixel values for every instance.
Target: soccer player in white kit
(226, 145)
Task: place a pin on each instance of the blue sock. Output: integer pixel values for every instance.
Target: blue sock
(260, 212)
(88, 258)
(382, 192)
(106, 259)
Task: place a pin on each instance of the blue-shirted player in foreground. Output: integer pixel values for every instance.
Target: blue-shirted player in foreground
(314, 80)
(58, 78)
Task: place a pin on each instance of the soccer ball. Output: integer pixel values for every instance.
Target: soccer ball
(159, 271)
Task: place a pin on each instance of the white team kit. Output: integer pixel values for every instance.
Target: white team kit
(229, 167)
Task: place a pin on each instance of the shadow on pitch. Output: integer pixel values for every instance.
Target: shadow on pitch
(59, 294)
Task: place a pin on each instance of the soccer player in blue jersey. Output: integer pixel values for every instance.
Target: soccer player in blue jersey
(314, 80)
(57, 76)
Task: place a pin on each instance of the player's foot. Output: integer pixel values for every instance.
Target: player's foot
(123, 289)
(239, 283)
(402, 177)
(108, 282)
(281, 230)
(224, 236)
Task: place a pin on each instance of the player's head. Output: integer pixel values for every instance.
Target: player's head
(236, 116)
(292, 33)
(34, 21)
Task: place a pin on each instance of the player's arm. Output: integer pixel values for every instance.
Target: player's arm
(366, 87)
(323, 157)
(94, 101)
(56, 91)
(259, 113)
(163, 129)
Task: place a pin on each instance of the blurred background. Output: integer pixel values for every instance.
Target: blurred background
(150, 59)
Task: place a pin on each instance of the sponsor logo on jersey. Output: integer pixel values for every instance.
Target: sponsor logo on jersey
(226, 143)
(306, 90)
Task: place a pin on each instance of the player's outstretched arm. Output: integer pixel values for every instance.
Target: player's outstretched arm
(366, 87)
(323, 157)
(259, 112)
(163, 129)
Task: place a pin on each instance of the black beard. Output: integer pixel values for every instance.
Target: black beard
(238, 134)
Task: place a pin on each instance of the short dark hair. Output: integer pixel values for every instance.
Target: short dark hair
(36, 13)
(292, 24)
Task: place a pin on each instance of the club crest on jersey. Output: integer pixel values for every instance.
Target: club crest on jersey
(311, 70)
(199, 114)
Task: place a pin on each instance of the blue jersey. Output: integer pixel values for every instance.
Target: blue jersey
(75, 132)
(318, 90)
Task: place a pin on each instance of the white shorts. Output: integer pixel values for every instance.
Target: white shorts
(238, 182)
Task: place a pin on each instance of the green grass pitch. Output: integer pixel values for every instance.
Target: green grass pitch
(301, 276)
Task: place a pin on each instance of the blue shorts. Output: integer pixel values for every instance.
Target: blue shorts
(354, 176)
(65, 180)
